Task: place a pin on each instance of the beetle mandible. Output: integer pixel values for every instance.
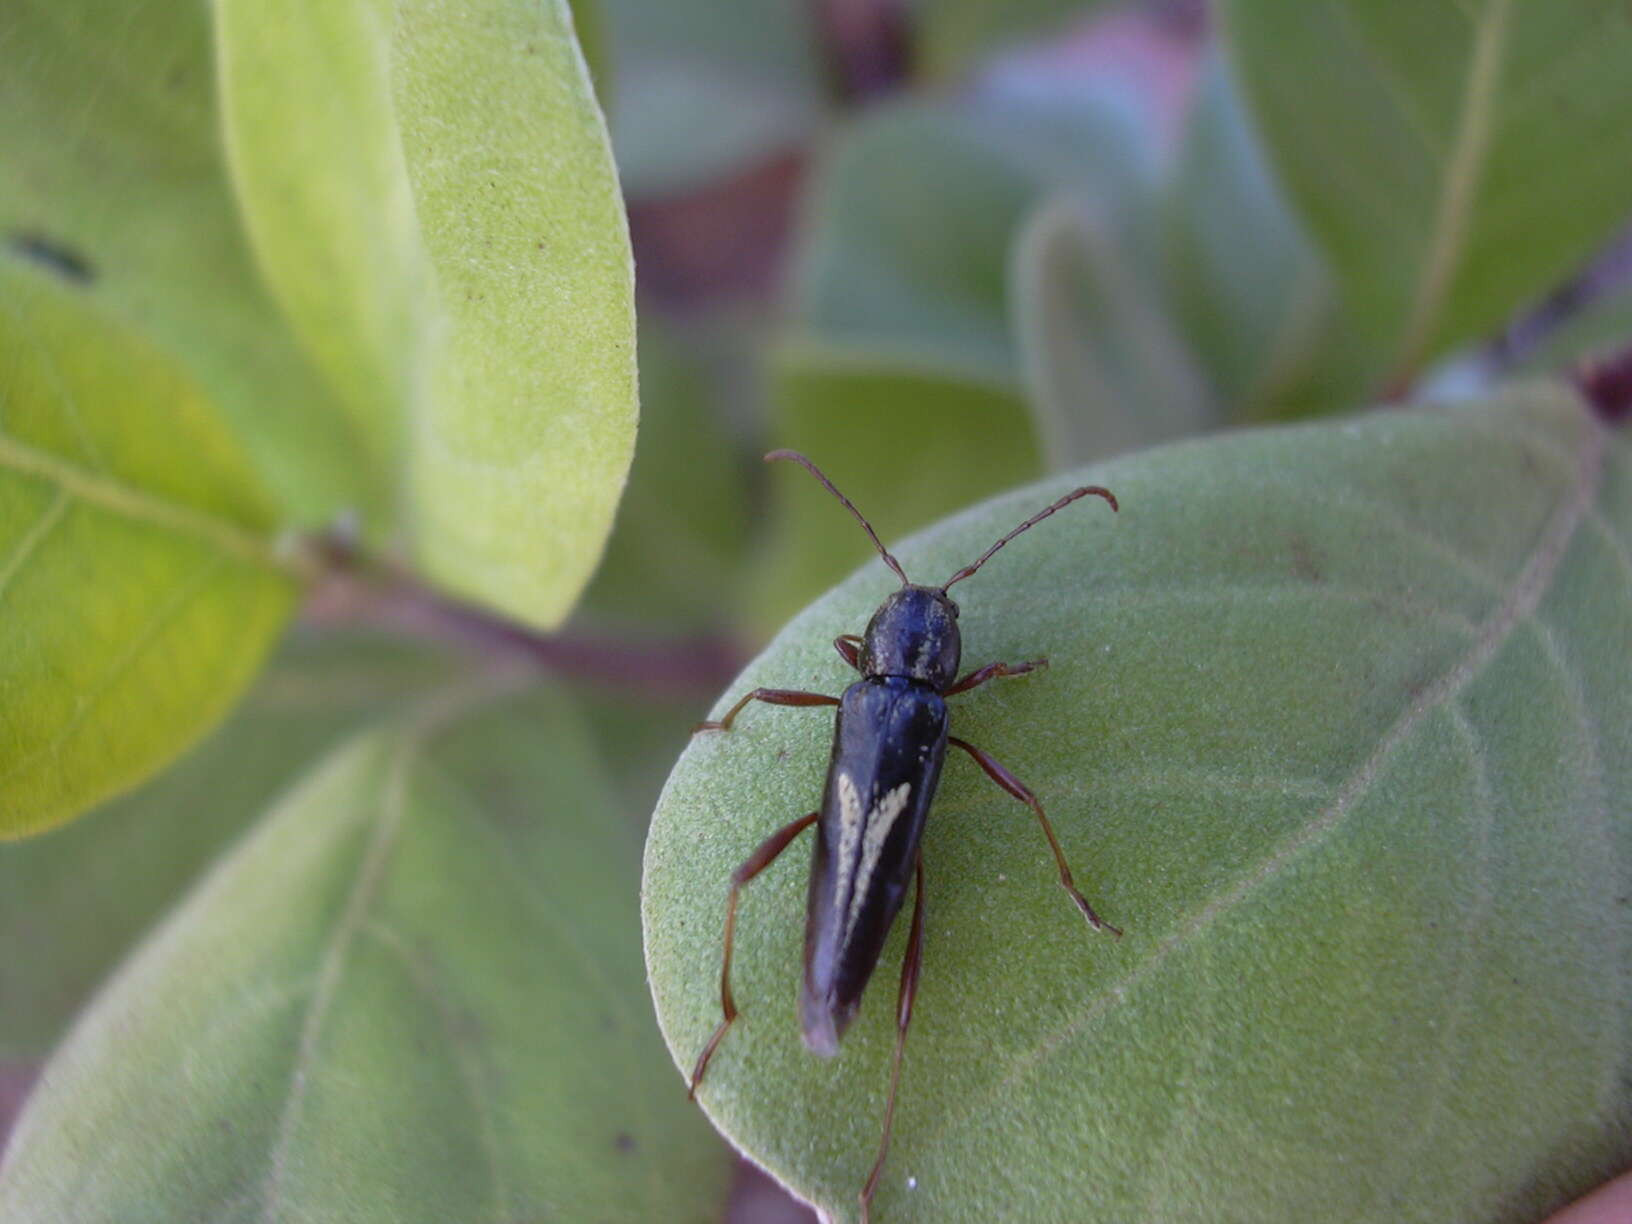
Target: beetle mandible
(889, 740)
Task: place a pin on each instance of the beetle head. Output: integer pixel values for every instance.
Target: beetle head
(914, 634)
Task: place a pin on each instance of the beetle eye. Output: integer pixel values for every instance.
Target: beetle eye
(953, 604)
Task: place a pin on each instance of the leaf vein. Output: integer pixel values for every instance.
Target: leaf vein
(1519, 603)
(1456, 201)
(470, 1072)
(385, 826)
(30, 543)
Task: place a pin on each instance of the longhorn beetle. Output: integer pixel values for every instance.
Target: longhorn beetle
(889, 740)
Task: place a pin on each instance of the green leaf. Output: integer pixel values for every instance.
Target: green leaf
(139, 593)
(1595, 330)
(589, 29)
(904, 443)
(953, 36)
(674, 559)
(914, 215)
(1452, 159)
(431, 196)
(1107, 370)
(1254, 298)
(1336, 727)
(707, 88)
(74, 901)
(414, 993)
(121, 189)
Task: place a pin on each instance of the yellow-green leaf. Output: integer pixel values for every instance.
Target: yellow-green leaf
(138, 593)
(114, 177)
(430, 193)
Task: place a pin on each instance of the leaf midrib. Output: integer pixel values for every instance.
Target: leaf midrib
(1520, 602)
(1457, 188)
(141, 507)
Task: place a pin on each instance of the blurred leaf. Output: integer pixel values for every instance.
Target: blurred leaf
(1452, 159)
(953, 36)
(708, 87)
(139, 593)
(1106, 370)
(675, 557)
(904, 360)
(1254, 298)
(113, 179)
(1597, 329)
(589, 28)
(1336, 726)
(913, 217)
(431, 195)
(414, 993)
(905, 444)
(74, 901)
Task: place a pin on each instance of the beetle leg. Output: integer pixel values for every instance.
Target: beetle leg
(903, 1016)
(770, 696)
(1019, 790)
(990, 672)
(849, 647)
(755, 863)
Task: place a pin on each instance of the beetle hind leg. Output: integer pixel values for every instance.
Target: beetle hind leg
(910, 965)
(761, 858)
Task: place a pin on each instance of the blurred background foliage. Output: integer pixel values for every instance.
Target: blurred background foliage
(945, 245)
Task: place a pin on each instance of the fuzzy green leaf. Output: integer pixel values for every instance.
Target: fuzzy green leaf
(1452, 158)
(138, 594)
(914, 214)
(1106, 368)
(1336, 727)
(414, 993)
(1255, 300)
(114, 179)
(73, 902)
(430, 192)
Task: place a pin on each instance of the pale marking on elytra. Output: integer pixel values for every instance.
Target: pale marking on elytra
(849, 835)
(883, 818)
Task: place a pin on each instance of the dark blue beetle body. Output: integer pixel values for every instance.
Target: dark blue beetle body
(890, 738)
(889, 741)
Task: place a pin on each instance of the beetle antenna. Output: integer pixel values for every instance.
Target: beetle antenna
(1032, 522)
(866, 526)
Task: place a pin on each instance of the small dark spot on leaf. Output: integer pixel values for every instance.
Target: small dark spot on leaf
(1306, 561)
(608, 1025)
(624, 1142)
(53, 256)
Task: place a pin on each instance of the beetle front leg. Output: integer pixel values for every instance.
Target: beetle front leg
(770, 696)
(849, 647)
(755, 863)
(990, 672)
(910, 965)
(1020, 791)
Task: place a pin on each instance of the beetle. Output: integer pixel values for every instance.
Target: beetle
(890, 738)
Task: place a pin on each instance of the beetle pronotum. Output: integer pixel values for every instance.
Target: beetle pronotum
(889, 740)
